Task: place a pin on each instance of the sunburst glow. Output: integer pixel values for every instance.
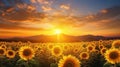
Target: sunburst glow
(57, 31)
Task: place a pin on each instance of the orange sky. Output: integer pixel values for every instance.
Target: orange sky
(27, 20)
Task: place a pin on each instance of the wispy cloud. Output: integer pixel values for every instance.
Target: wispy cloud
(46, 8)
(63, 6)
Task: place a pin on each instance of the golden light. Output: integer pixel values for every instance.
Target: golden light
(57, 31)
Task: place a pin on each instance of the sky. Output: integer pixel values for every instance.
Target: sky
(22, 18)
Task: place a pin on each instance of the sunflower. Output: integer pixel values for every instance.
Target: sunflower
(90, 48)
(100, 41)
(2, 51)
(36, 48)
(69, 61)
(57, 51)
(76, 50)
(101, 46)
(42, 51)
(97, 51)
(26, 53)
(112, 56)
(9, 48)
(65, 47)
(84, 55)
(50, 46)
(116, 44)
(10, 53)
(3, 46)
(103, 50)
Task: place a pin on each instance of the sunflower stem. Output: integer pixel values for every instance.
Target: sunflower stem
(115, 65)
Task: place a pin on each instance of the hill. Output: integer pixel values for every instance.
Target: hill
(62, 38)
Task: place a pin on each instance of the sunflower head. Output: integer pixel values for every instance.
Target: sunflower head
(69, 61)
(101, 46)
(57, 51)
(42, 51)
(103, 50)
(65, 47)
(97, 51)
(84, 55)
(90, 48)
(2, 51)
(76, 50)
(3, 46)
(26, 53)
(100, 41)
(116, 44)
(50, 46)
(112, 56)
(10, 53)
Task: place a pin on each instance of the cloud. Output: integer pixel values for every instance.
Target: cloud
(8, 25)
(32, 21)
(46, 2)
(11, 14)
(106, 18)
(33, 1)
(10, 32)
(109, 13)
(46, 8)
(15, 16)
(23, 15)
(104, 11)
(63, 6)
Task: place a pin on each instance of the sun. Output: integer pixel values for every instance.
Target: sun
(57, 31)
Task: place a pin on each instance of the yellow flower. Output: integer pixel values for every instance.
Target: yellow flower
(26, 53)
(50, 46)
(97, 51)
(90, 48)
(84, 55)
(57, 51)
(112, 56)
(42, 51)
(2, 51)
(103, 50)
(65, 47)
(10, 53)
(69, 61)
(116, 44)
(3, 46)
(101, 46)
(76, 50)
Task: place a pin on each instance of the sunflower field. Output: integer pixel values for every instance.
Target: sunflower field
(102, 53)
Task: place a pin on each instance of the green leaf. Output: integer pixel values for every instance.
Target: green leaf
(53, 65)
(33, 63)
(118, 65)
(107, 64)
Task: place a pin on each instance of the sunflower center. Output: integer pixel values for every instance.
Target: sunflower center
(3, 46)
(76, 50)
(69, 64)
(84, 55)
(10, 53)
(1, 51)
(50, 46)
(104, 50)
(117, 45)
(101, 47)
(65, 47)
(27, 52)
(114, 55)
(56, 50)
(90, 48)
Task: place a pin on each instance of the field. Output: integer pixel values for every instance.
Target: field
(80, 54)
